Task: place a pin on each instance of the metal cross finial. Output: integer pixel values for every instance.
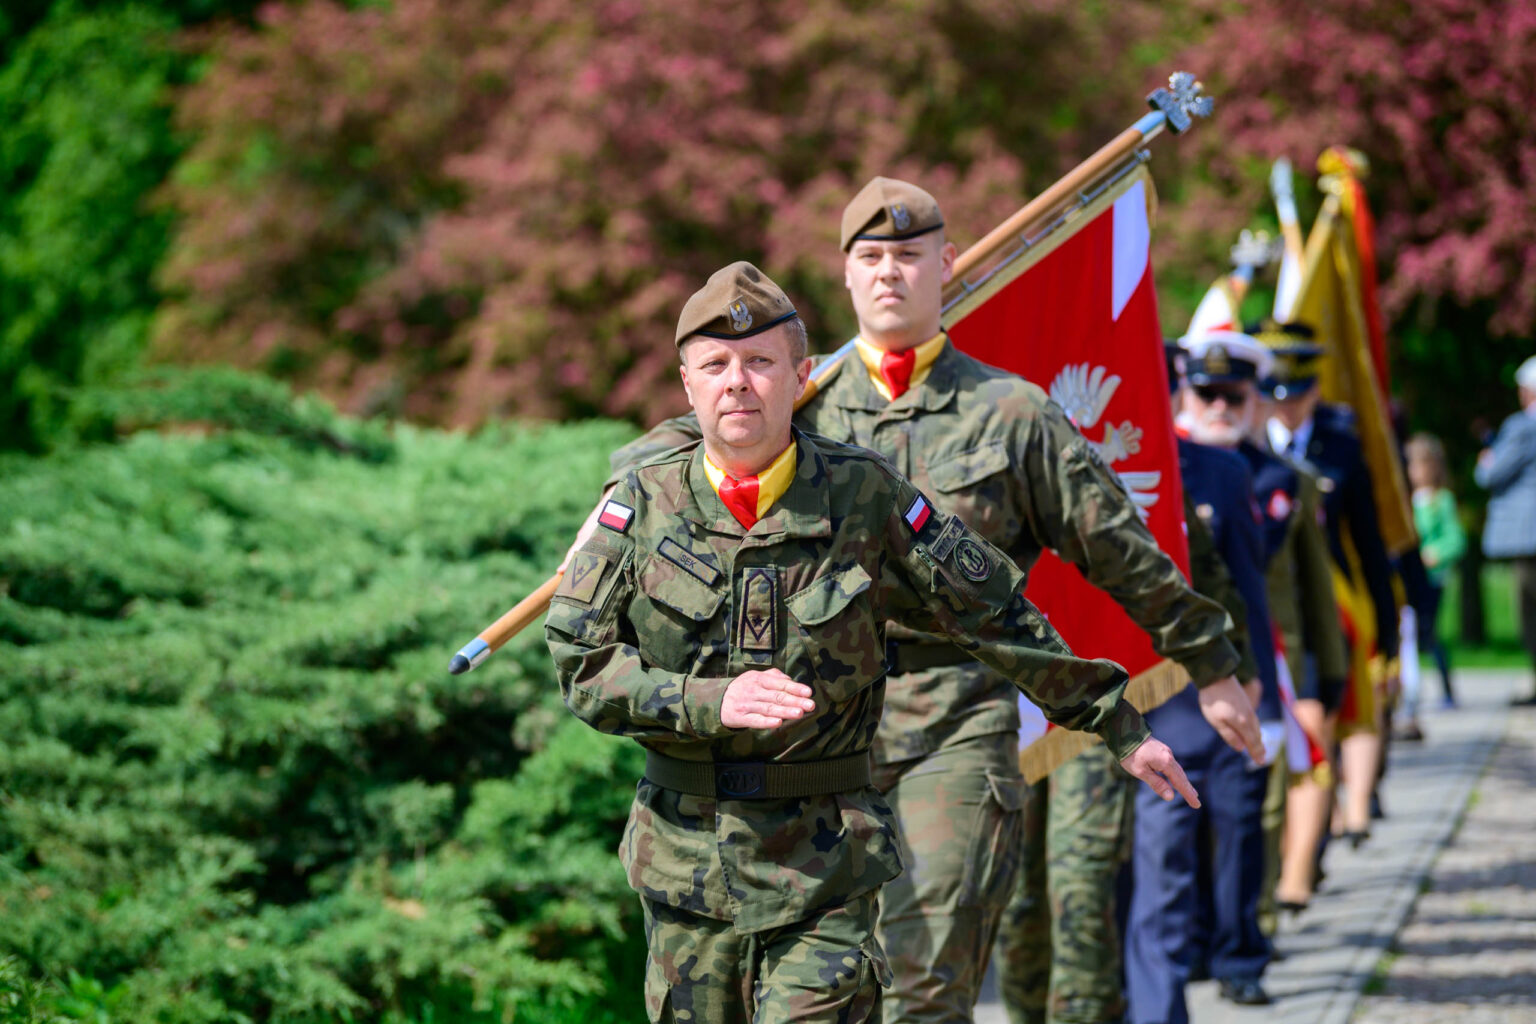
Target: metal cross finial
(1181, 101)
(1255, 249)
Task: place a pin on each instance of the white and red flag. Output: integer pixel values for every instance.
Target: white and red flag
(1077, 314)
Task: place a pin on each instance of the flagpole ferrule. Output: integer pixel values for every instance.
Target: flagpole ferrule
(1151, 124)
(469, 656)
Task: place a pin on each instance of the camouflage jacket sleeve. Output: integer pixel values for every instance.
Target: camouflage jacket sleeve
(1079, 507)
(1320, 628)
(1208, 574)
(597, 657)
(664, 436)
(944, 578)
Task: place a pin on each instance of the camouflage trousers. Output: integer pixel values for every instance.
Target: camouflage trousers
(959, 815)
(1058, 950)
(827, 967)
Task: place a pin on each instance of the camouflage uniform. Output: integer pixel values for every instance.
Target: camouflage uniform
(651, 624)
(992, 449)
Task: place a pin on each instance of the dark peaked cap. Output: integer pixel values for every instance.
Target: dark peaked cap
(887, 210)
(737, 301)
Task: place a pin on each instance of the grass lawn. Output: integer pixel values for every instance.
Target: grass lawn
(1501, 617)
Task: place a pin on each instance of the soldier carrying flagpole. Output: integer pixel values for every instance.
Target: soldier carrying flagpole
(997, 454)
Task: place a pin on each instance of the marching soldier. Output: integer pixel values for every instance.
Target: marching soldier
(993, 451)
(729, 612)
(1304, 427)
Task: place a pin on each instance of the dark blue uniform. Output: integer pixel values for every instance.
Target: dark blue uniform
(1348, 504)
(1277, 488)
(1161, 935)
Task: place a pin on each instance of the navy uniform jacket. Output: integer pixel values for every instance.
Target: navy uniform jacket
(1276, 486)
(1221, 487)
(1348, 504)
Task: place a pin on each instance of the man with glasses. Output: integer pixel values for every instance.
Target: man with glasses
(1167, 933)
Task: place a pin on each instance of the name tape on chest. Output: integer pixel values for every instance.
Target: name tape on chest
(699, 568)
(616, 516)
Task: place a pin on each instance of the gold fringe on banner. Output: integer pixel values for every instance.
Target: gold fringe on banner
(1146, 691)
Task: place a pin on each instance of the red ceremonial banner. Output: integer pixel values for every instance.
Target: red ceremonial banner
(1077, 315)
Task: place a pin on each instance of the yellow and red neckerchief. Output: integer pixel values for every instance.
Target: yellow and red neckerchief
(926, 353)
(771, 482)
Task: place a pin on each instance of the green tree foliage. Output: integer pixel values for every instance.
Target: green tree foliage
(86, 89)
(87, 137)
(467, 209)
(238, 782)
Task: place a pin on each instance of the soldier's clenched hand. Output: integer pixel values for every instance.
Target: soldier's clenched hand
(1227, 707)
(764, 700)
(1154, 764)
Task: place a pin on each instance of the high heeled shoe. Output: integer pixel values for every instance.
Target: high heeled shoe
(1355, 837)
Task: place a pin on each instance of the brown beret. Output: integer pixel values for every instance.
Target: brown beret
(738, 301)
(887, 210)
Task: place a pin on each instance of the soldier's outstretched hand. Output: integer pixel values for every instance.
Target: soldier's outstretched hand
(1229, 709)
(764, 700)
(1154, 764)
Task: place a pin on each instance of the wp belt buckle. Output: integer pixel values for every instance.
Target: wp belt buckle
(741, 780)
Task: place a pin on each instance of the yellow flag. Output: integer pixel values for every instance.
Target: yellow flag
(1330, 300)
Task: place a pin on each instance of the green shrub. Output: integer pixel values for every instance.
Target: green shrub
(238, 782)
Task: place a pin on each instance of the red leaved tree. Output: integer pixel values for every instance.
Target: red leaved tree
(475, 209)
(1437, 93)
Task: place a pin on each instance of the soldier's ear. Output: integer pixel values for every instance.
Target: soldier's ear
(682, 371)
(803, 375)
(947, 254)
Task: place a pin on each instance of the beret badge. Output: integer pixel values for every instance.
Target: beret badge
(741, 316)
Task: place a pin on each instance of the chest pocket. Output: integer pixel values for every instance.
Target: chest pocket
(835, 633)
(676, 615)
(951, 473)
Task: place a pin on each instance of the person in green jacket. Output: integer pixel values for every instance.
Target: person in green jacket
(1442, 543)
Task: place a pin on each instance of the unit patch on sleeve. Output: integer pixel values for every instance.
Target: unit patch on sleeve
(699, 568)
(582, 577)
(972, 561)
(616, 516)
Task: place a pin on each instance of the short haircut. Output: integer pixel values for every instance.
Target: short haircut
(799, 342)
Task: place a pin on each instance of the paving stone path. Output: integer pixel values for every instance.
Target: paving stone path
(1469, 951)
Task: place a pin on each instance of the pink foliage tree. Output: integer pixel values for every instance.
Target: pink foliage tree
(1435, 92)
(471, 209)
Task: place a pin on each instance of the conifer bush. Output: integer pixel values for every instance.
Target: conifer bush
(238, 783)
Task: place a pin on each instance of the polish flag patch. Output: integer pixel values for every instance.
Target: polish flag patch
(917, 514)
(616, 517)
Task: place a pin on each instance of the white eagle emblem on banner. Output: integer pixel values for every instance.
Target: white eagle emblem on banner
(1084, 391)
